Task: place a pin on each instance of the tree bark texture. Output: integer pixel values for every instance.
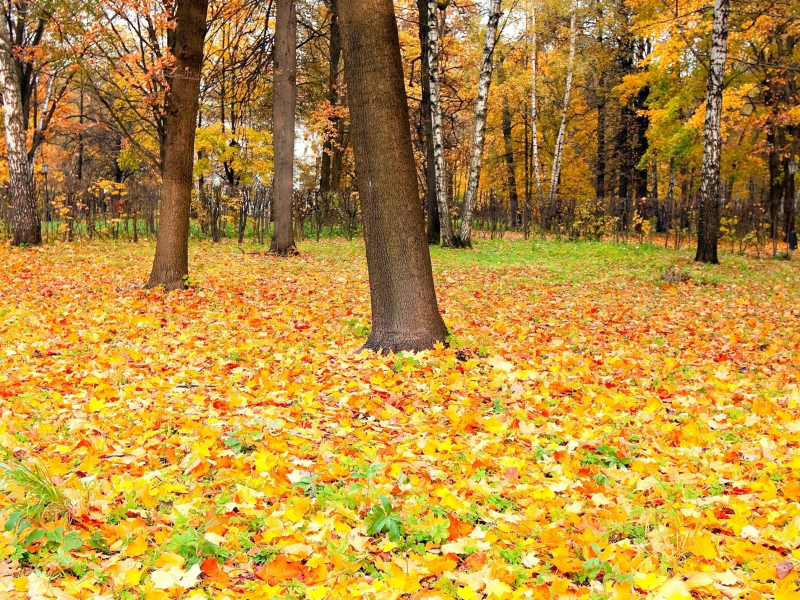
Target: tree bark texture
(171, 263)
(24, 210)
(405, 314)
(283, 114)
(431, 200)
(334, 57)
(537, 171)
(708, 226)
(445, 227)
(479, 134)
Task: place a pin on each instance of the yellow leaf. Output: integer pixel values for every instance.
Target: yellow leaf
(704, 546)
(674, 589)
(96, 404)
(137, 547)
(467, 593)
(318, 592)
(650, 581)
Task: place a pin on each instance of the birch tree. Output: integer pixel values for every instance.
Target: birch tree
(25, 216)
(479, 134)
(534, 114)
(446, 229)
(559, 150)
(708, 226)
(28, 59)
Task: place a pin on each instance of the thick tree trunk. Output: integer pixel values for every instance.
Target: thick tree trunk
(431, 200)
(445, 227)
(559, 150)
(285, 102)
(171, 264)
(708, 226)
(405, 315)
(479, 135)
(334, 56)
(24, 211)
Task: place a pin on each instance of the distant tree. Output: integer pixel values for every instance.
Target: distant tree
(405, 314)
(559, 151)
(431, 199)
(171, 263)
(479, 135)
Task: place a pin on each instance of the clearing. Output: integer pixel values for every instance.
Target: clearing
(592, 430)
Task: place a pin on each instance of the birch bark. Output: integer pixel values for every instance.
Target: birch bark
(559, 150)
(446, 230)
(25, 215)
(708, 226)
(479, 135)
(537, 172)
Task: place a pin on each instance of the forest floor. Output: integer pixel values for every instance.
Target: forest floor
(592, 430)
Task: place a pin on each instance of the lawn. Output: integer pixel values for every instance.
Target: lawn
(591, 430)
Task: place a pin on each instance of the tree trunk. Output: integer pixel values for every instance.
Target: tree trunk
(445, 227)
(285, 101)
(788, 198)
(508, 146)
(405, 315)
(24, 210)
(339, 148)
(657, 209)
(479, 135)
(559, 150)
(708, 225)
(669, 201)
(775, 190)
(334, 56)
(171, 264)
(431, 200)
(641, 123)
(600, 181)
(537, 173)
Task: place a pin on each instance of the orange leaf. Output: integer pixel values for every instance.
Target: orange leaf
(458, 529)
(441, 564)
(279, 570)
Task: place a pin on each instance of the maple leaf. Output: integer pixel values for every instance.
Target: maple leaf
(281, 569)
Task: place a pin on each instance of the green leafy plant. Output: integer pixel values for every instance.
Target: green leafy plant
(381, 519)
(38, 498)
(607, 457)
